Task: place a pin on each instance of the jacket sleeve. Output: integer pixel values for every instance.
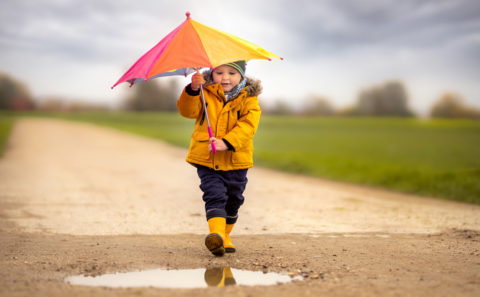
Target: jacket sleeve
(189, 104)
(246, 125)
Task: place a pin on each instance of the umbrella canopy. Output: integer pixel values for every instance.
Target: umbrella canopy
(192, 45)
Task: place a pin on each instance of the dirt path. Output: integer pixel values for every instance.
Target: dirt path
(75, 196)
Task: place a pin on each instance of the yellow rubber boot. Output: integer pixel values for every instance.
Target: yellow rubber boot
(229, 279)
(219, 277)
(215, 277)
(229, 247)
(214, 240)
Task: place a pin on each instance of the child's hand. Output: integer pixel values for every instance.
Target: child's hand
(197, 80)
(219, 144)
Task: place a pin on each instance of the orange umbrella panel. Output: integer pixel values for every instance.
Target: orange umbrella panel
(192, 45)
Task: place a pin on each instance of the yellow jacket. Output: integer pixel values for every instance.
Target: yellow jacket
(235, 121)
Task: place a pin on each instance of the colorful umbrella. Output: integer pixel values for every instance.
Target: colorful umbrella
(188, 48)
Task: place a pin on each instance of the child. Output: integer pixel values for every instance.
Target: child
(234, 113)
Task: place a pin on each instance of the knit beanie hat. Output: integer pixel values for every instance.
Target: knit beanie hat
(239, 66)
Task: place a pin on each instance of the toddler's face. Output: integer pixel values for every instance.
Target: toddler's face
(227, 76)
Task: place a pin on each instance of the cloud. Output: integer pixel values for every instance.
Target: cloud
(345, 25)
(365, 42)
(330, 47)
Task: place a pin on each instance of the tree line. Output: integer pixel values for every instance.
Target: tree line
(387, 99)
(14, 94)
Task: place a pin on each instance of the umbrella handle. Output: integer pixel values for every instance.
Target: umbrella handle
(210, 134)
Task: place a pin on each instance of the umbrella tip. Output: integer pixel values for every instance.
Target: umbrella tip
(187, 14)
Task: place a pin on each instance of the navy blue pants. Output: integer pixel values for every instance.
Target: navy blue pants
(222, 192)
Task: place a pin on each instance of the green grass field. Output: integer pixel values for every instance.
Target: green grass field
(438, 158)
(6, 123)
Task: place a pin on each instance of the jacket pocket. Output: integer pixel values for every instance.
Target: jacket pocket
(199, 145)
(244, 156)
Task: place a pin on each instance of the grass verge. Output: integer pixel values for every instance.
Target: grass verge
(6, 124)
(437, 158)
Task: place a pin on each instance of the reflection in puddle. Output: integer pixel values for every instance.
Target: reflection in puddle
(184, 278)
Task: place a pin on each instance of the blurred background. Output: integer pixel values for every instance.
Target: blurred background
(340, 56)
(354, 99)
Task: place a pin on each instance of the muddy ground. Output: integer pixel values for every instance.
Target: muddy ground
(446, 264)
(78, 199)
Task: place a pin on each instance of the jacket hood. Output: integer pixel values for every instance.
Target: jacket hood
(253, 86)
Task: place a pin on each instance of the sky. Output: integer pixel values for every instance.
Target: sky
(331, 48)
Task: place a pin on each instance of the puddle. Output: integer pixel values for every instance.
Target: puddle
(184, 278)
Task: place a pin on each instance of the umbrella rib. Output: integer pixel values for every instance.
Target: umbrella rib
(163, 49)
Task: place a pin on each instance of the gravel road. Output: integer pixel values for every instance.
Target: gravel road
(77, 198)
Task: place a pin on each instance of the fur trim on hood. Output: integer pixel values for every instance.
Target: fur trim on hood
(253, 86)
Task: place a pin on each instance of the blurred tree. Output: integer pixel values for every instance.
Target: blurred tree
(281, 107)
(389, 99)
(51, 103)
(263, 106)
(346, 111)
(56, 104)
(317, 106)
(451, 105)
(14, 94)
(152, 95)
(81, 105)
